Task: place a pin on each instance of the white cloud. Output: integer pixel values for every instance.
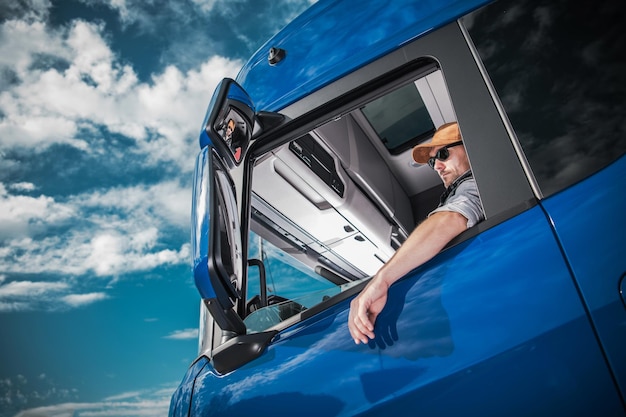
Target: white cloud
(183, 334)
(21, 186)
(89, 88)
(124, 396)
(112, 232)
(99, 235)
(173, 107)
(23, 295)
(112, 254)
(92, 57)
(168, 201)
(37, 289)
(25, 9)
(81, 252)
(149, 403)
(18, 392)
(27, 295)
(23, 41)
(23, 215)
(79, 300)
(205, 6)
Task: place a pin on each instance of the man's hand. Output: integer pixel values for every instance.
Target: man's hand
(421, 245)
(365, 308)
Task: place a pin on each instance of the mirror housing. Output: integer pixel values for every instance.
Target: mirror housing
(229, 122)
(218, 266)
(217, 257)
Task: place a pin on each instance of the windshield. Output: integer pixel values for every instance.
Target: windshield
(283, 287)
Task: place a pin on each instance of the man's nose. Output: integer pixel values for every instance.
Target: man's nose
(439, 165)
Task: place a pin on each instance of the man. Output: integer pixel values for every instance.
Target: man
(459, 209)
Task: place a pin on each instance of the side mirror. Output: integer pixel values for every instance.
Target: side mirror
(216, 241)
(229, 122)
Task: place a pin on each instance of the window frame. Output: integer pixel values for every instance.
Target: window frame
(502, 183)
(497, 161)
(498, 166)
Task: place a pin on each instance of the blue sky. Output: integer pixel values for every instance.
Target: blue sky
(101, 103)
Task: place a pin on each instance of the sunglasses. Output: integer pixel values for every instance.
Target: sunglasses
(442, 154)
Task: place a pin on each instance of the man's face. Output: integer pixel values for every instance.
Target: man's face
(454, 166)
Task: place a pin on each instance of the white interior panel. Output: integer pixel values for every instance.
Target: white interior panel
(331, 221)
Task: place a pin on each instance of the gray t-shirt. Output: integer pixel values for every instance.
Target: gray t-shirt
(464, 200)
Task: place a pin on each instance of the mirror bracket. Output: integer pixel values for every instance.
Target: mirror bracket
(240, 350)
(267, 121)
(226, 319)
(229, 122)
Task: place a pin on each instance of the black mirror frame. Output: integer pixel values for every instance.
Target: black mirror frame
(230, 122)
(226, 295)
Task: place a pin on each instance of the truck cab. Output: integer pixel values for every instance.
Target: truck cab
(304, 187)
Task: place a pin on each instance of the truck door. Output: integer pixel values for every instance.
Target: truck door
(568, 118)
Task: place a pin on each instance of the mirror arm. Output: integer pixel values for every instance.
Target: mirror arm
(267, 121)
(227, 320)
(240, 350)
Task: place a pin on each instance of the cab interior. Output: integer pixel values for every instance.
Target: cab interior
(342, 198)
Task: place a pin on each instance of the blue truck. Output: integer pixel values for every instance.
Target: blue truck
(304, 187)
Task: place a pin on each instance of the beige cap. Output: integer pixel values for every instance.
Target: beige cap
(445, 135)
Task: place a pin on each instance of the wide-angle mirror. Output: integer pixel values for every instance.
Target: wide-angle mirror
(229, 122)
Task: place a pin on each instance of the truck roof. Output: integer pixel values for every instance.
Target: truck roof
(333, 38)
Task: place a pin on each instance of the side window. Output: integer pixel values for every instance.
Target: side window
(329, 207)
(282, 287)
(559, 68)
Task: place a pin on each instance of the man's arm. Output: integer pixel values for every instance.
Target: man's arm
(427, 240)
